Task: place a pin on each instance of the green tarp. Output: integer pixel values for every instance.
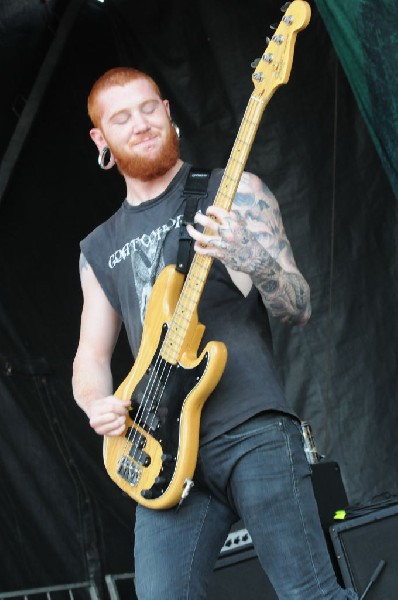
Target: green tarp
(365, 36)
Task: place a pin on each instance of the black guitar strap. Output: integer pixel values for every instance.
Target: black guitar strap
(195, 189)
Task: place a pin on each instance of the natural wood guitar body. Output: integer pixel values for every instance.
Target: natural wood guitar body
(194, 377)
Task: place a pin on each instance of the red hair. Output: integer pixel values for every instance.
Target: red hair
(117, 76)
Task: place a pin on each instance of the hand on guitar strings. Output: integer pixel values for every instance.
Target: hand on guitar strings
(108, 415)
(226, 236)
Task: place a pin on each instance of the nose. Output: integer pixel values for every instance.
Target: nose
(140, 124)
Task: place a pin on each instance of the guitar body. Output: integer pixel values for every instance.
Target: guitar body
(158, 450)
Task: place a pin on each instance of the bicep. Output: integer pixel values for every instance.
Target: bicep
(100, 323)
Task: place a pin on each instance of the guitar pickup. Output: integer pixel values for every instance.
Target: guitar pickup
(151, 421)
(141, 457)
(134, 436)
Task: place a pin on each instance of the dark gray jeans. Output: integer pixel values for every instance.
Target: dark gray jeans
(257, 471)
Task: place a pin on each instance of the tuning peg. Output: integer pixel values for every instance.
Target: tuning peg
(255, 62)
(274, 26)
(268, 40)
(285, 6)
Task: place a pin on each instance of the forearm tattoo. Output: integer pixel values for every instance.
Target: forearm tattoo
(284, 293)
(255, 243)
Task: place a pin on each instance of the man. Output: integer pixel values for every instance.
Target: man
(251, 463)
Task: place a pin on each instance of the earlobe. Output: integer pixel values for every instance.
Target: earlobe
(106, 160)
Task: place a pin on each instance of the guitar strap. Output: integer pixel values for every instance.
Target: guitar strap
(195, 188)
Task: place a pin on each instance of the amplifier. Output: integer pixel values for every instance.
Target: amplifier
(367, 553)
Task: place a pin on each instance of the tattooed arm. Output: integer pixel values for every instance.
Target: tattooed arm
(251, 239)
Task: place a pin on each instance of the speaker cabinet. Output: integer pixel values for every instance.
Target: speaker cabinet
(366, 548)
(240, 576)
(238, 573)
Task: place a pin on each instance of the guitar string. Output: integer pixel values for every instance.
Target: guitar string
(134, 434)
(149, 394)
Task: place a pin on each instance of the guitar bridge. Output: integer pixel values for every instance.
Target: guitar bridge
(129, 471)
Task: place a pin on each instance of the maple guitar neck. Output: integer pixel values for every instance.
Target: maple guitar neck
(272, 71)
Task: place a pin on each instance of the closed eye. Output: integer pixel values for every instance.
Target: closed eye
(120, 118)
(149, 106)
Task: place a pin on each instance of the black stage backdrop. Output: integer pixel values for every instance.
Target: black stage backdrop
(61, 518)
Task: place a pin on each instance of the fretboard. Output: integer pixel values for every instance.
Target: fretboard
(200, 267)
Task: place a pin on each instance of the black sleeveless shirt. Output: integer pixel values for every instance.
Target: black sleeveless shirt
(127, 253)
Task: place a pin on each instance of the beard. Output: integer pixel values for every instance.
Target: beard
(147, 168)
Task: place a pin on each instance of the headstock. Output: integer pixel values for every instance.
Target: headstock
(273, 68)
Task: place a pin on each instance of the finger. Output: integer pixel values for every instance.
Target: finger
(194, 233)
(217, 212)
(107, 415)
(215, 249)
(120, 402)
(209, 243)
(223, 223)
(120, 408)
(114, 405)
(207, 221)
(202, 240)
(115, 432)
(107, 427)
(105, 419)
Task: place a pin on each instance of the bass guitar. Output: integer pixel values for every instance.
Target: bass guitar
(154, 460)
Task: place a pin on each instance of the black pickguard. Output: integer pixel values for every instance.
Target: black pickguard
(157, 402)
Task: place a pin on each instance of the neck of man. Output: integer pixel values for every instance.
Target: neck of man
(141, 191)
